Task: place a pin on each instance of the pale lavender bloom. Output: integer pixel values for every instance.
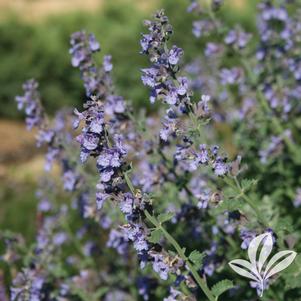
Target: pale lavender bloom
(51, 155)
(70, 179)
(136, 234)
(27, 285)
(45, 136)
(213, 49)
(220, 167)
(116, 295)
(274, 147)
(160, 266)
(170, 127)
(115, 105)
(94, 45)
(145, 284)
(31, 104)
(109, 158)
(90, 141)
(105, 222)
(247, 236)
(297, 200)
(60, 238)
(183, 87)
(202, 27)
(174, 294)
(248, 106)
(127, 204)
(44, 205)
(107, 63)
(100, 199)
(260, 287)
(174, 55)
(148, 76)
(172, 96)
(231, 76)
(119, 241)
(238, 38)
(194, 6)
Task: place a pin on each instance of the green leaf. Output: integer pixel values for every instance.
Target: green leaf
(221, 287)
(197, 258)
(164, 217)
(228, 205)
(246, 184)
(284, 224)
(155, 236)
(100, 292)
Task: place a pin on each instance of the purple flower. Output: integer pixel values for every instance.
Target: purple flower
(31, 104)
(127, 204)
(202, 27)
(174, 294)
(107, 63)
(70, 179)
(247, 236)
(174, 55)
(97, 81)
(60, 238)
(220, 167)
(213, 49)
(231, 76)
(28, 285)
(109, 158)
(237, 38)
(100, 199)
(136, 234)
(94, 45)
(160, 266)
(118, 241)
(297, 200)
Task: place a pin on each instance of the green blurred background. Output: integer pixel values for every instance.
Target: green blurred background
(34, 42)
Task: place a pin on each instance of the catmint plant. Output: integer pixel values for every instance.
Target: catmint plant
(155, 206)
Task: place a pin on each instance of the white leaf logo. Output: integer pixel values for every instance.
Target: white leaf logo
(258, 269)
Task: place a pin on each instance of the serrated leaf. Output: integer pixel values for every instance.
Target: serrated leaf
(197, 258)
(228, 205)
(100, 292)
(292, 281)
(284, 224)
(164, 217)
(155, 236)
(246, 184)
(221, 287)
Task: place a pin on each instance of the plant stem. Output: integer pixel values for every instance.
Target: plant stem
(251, 203)
(248, 200)
(129, 183)
(201, 282)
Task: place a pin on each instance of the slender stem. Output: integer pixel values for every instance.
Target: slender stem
(251, 203)
(129, 183)
(76, 243)
(201, 282)
(248, 200)
(171, 170)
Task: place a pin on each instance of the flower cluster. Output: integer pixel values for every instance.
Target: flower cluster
(55, 137)
(161, 76)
